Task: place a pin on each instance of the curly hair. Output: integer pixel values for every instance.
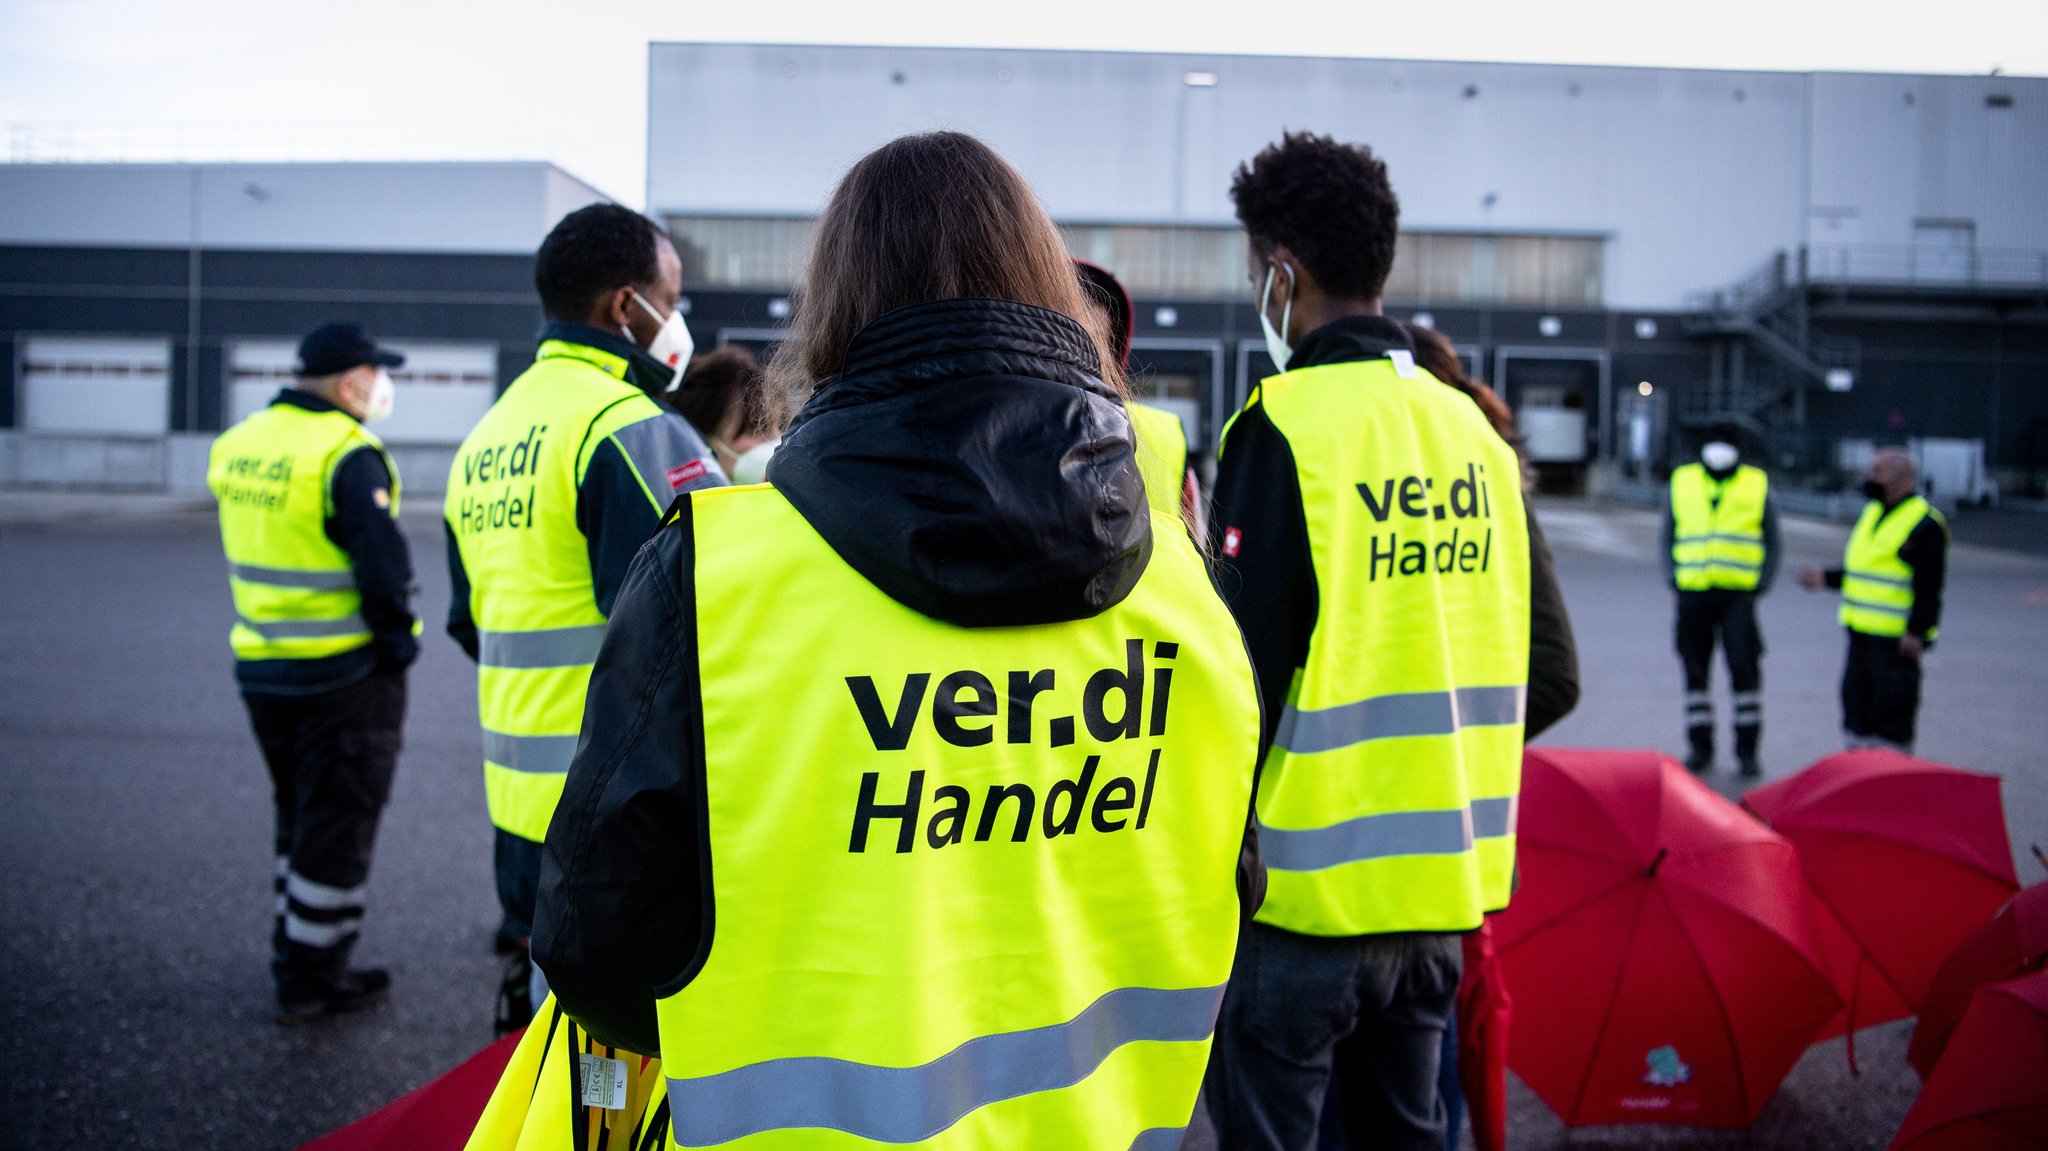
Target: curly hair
(1329, 203)
(591, 251)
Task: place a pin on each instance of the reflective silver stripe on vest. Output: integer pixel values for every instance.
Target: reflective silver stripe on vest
(307, 628)
(661, 445)
(1879, 608)
(1393, 716)
(1854, 574)
(1388, 834)
(554, 647)
(288, 577)
(535, 754)
(906, 1104)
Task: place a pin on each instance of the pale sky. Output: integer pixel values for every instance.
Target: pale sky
(567, 81)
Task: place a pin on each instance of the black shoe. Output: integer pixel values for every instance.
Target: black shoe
(1700, 760)
(1750, 768)
(357, 990)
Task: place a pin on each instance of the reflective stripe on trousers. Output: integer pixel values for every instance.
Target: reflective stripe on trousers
(307, 628)
(1444, 832)
(553, 647)
(294, 578)
(906, 1104)
(530, 753)
(1306, 731)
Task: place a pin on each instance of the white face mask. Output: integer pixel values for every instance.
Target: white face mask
(752, 465)
(1276, 341)
(672, 344)
(382, 397)
(1719, 456)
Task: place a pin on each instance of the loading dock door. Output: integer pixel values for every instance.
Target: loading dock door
(1184, 377)
(96, 385)
(1561, 400)
(440, 393)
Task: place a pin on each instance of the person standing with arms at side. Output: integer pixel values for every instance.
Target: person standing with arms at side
(1721, 554)
(1891, 581)
(548, 499)
(1374, 546)
(915, 785)
(322, 583)
(1170, 483)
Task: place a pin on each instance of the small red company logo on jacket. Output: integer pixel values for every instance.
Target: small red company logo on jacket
(1232, 538)
(684, 473)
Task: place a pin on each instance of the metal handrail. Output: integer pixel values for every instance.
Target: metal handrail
(1924, 264)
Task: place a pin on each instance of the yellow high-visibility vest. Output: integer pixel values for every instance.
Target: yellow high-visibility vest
(1717, 538)
(975, 886)
(1877, 586)
(1388, 799)
(512, 508)
(295, 589)
(558, 1089)
(1162, 456)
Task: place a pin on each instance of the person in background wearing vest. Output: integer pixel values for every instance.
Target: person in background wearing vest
(1170, 484)
(322, 583)
(1891, 581)
(916, 786)
(726, 397)
(548, 499)
(1720, 554)
(1373, 544)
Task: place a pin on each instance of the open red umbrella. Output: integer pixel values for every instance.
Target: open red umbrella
(436, 1117)
(1990, 1090)
(1907, 857)
(1661, 948)
(2014, 943)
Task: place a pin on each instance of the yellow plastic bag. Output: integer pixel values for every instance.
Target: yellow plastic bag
(558, 1091)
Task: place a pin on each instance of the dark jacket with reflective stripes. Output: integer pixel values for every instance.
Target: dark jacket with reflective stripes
(383, 565)
(1270, 581)
(895, 475)
(611, 507)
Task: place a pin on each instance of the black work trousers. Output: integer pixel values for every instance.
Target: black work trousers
(1730, 617)
(1880, 692)
(331, 757)
(1355, 1023)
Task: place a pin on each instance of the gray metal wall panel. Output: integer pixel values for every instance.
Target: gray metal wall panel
(407, 207)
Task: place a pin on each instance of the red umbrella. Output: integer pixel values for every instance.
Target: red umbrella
(1908, 857)
(2014, 943)
(1661, 949)
(1483, 1014)
(436, 1117)
(1990, 1090)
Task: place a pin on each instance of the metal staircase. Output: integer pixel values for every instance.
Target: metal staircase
(1764, 354)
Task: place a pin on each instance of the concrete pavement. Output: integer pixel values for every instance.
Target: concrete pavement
(134, 826)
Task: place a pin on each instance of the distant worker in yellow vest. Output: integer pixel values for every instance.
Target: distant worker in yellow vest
(548, 500)
(914, 804)
(1891, 581)
(1373, 543)
(1170, 484)
(324, 632)
(1721, 553)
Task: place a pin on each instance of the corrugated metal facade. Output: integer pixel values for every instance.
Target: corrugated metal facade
(1695, 177)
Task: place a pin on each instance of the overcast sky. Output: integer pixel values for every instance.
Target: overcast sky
(566, 81)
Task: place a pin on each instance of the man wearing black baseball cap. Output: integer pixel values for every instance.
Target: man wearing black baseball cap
(323, 635)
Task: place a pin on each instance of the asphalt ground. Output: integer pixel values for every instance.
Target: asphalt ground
(135, 824)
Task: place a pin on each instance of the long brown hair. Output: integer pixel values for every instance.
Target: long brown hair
(930, 216)
(1434, 352)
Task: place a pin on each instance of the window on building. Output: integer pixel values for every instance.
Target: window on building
(440, 392)
(1195, 262)
(96, 385)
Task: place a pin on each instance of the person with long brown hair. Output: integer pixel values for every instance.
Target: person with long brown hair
(958, 750)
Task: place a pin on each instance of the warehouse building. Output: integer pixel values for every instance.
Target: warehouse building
(1832, 259)
(1835, 260)
(143, 307)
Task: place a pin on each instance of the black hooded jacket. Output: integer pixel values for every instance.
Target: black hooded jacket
(970, 464)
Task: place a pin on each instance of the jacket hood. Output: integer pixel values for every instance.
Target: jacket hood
(970, 463)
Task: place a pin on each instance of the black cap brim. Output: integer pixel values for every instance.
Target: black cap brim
(385, 357)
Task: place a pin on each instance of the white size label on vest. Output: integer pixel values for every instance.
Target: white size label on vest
(1404, 362)
(603, 1082)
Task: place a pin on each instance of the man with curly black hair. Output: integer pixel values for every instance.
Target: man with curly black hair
(1373, 544)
